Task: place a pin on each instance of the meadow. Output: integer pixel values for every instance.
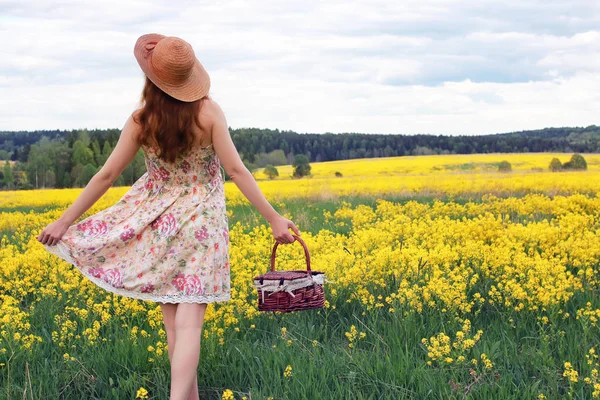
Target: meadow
(448, 280)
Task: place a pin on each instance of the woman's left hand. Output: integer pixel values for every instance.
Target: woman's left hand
(52, 233)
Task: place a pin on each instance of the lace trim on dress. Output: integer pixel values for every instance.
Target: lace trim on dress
(61, 251)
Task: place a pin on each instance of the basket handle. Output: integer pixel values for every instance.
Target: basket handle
(305, 254)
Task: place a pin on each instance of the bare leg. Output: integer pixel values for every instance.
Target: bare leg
(169, 311)
(189, 320)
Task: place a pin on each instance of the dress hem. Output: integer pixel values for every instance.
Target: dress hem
(60, 250)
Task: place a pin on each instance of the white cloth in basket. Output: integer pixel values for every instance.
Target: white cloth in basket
(272, 285)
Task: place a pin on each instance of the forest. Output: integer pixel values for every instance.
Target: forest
(61, 158)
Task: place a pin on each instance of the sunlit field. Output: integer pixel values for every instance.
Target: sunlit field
(448, 280)
(439, 164)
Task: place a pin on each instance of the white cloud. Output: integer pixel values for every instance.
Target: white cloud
(436, 66)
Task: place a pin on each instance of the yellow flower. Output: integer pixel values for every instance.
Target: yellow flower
(141, 393)
(227, 395)
(488, 364)
(288, 371)
(570, 372)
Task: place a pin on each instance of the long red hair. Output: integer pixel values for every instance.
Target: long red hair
(167, 122)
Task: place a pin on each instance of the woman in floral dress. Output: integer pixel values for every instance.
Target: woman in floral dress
(166, 240)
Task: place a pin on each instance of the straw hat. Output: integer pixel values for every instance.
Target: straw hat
(170, 63)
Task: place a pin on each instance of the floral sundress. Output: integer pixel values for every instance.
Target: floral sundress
(165, 240)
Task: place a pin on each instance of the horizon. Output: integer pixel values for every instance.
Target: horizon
(335, 133)
(438, 67)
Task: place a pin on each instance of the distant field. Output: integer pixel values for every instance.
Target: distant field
(454, 163)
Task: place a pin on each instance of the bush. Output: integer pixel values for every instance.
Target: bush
(301, 166)
(271, 171)
(577, 162)
(504, 166)
(338, 174)
(555, 165)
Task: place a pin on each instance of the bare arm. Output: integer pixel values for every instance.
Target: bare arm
(235, 168)
(119, 159)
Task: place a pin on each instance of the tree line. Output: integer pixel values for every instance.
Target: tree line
(59, 158)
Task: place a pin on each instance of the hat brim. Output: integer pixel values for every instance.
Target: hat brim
(194, 88)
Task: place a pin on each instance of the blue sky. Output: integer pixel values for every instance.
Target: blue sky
(440, 67)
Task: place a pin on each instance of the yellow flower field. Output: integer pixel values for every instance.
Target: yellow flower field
(499, 289)
(400, 176)
(438, 164)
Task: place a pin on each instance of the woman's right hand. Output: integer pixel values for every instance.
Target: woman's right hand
(280, 227)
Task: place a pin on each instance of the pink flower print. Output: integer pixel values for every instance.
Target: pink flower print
(216, 246)
(179, 281)
(185, 166)
(113, 277)
(165, 224)
(96, 272)
(127, 234)
(161, 174)
(147, 288)
(201, 234)
(84, 225)
(212, 166)
(226, 235)
(93, 228)
(193, 285)
(149, 184)
(226, 265)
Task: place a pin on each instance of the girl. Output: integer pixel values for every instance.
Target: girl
(166, 240)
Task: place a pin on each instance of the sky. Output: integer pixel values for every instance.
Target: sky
(372, 66)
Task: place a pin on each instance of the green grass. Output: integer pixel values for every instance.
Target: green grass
(388, 364)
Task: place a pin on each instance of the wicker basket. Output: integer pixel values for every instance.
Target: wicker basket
(286, 291)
